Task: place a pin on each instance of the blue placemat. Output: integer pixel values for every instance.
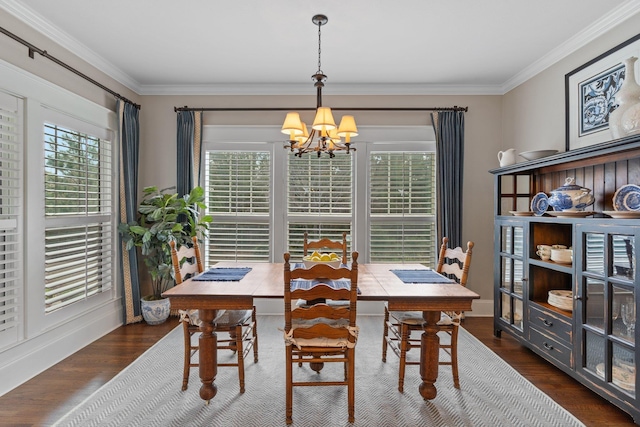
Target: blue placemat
(223, 274)
(421, 276)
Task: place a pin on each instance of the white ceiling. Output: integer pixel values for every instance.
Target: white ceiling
(368, 46)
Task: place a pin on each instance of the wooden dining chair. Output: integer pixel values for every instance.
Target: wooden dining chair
(324, 243)
(398, 325)
(240, 325)
(320, 332)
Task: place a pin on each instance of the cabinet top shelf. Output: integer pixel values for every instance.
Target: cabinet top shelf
(567, 159)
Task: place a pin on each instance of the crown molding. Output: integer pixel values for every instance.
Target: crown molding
(593, 31)
(604, 24)
(35, 21)
(333, 89)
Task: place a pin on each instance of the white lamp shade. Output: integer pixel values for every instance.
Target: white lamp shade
(333, 134)
(348, 126)
(304, 135)
(324, 119)
(292, 125)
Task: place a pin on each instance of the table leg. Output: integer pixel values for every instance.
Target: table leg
(208, 355)
(429, 350)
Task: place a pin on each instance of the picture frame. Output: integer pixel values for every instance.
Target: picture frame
(590, 95)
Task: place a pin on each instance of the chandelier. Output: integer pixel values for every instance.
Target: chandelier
(325, 136)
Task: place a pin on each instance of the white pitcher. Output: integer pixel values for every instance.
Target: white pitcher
(507, 157)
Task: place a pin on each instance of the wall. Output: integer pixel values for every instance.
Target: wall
(533, 114)
(482, 142)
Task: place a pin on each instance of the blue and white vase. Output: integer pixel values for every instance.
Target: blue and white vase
(155, 312)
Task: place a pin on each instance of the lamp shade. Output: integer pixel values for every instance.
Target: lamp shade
(333, 135)
(303, 136)
(292, 125)
(324, 119)
(347, 126)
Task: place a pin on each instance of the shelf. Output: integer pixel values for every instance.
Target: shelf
(564, 268)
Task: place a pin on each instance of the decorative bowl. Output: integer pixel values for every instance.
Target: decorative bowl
(571, 197)
(537, 154)
(563, 256)
(309, 264)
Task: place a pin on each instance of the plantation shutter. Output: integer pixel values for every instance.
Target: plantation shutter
(78, 173)
(238, 187)
(11, 165)
(402, 207)
(320, 199)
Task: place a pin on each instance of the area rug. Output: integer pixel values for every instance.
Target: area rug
(148, 392)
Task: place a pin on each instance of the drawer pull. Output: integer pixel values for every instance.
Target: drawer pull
(547, 346)
(547, 323)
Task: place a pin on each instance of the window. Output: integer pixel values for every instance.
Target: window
(319, 199)
(402, 207)
(78, 216)
(238, 187)
(263, 198)
(10, 214)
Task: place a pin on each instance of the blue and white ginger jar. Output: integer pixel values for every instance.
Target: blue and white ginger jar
(571, 197)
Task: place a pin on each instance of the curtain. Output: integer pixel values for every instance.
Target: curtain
(449, 130)
(129, 129)
(189, 143)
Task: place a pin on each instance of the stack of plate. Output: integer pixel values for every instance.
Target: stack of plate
(561, 299)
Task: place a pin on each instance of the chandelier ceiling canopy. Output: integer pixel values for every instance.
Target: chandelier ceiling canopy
(325, 136)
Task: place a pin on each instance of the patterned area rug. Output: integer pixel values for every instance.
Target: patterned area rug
(147, 393)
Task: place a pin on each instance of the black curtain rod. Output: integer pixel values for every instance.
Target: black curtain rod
(44, 53)
(454, 108)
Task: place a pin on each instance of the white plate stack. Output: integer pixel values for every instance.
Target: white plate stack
(561, 299)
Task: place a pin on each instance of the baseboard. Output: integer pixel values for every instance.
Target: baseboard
(269, 306)
(33, 356)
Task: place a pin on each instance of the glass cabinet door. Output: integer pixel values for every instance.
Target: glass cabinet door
(511, 237)
(607, 302)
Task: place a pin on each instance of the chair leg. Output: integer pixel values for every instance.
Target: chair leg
(289, 385)
(255, 335)
(240, 354)
(404, 344)
(454, 356)
(385, 334)
(351, 354)
(187, 355)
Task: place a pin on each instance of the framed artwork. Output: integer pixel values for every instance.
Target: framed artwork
(590, 95)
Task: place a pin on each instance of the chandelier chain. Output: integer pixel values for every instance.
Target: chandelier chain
(319, 48)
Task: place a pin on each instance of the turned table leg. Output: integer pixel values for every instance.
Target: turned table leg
(208, 355)
(429, 350)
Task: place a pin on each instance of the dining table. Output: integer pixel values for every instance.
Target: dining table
(376, 282)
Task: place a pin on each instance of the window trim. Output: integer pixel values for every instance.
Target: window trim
(37, 113)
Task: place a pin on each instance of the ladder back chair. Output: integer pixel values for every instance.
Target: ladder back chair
(325, 243)
(240, 325)
(318, 332)
(398, 325)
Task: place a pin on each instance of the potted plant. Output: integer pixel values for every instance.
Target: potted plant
(163, 217)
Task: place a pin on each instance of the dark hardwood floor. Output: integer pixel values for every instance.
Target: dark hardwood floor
(48, 396)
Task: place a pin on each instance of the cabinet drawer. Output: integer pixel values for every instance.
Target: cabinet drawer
(553, 325)
(551, 347)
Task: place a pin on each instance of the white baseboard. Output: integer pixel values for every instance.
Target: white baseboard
(481, 308)
(33, 356)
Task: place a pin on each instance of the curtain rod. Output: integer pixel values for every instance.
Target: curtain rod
(454, 108)
(44, 53)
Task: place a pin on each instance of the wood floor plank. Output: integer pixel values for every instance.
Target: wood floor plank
(48, 396)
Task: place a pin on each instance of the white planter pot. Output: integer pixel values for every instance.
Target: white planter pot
(155, 312)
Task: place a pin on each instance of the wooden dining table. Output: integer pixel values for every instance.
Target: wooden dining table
(376, 282)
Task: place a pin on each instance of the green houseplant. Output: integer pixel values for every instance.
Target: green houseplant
(164, 217)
